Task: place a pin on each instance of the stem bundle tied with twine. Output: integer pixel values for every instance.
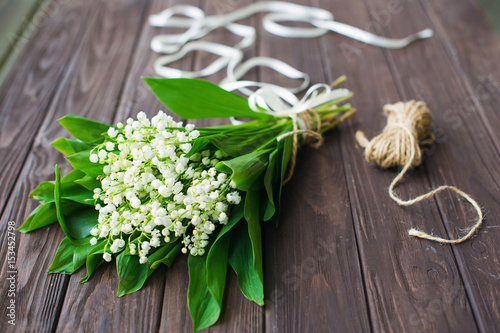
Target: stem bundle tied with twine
(313, 127)
(408, 127)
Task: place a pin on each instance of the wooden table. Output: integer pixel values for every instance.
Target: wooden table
(340, 260)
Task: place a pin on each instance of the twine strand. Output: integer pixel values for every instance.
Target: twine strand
(408, 127)
(308, 133)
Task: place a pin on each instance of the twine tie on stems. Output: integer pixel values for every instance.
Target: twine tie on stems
(408, 127)
(301, 112)
(308, 133)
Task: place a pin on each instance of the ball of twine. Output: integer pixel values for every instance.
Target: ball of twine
(408, 127)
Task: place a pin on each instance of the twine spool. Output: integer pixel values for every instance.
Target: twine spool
(408, 127)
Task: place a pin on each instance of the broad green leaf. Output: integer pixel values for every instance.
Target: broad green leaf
(82, 162)
(45, 215)
(199, 144)
(84, 250)
(90, 183)
(218, 256)
(87, 130)
(44, 192)
(94, 258)
(69, 191)
(70, 257)
(195, 99)
(203, 306)
(254, 231)
(60, 211)
(247, 170)
(132, 274)
(241, 260)
(169, 257)
(92, 262)
(70, 146)
(72, 176)
(63, 260)
(236, 143)
(217, 266)
(80, 223)
(57, 201)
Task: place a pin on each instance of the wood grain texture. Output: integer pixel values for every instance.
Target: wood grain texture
(467, 140)
(27, 93)
(413, 275)
(78, 94)
(340, 259)
(313, 252)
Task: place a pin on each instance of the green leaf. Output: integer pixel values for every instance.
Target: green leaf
(241, 259)
(45, 215)
(254, 231)
(282, 168)
(94, 258)
(82, 162)
(72, 176)
(169, 257)
(87, 130)
(203, 306)
(70, 257)
(90, 183)
(69, 191)
(92, 261)
(218, 254)
(246, 170)
(79, 224)
(60, 211)
(63, 260)
(273, 183)
(199, 144)
(70, 146)
(269, 180)
(132, 274)
(44, 192)
(195, 99)
(239, 141)
(83, 250)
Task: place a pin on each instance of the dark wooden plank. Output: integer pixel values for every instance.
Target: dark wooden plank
(30, 86)
(411, 285)
(106, 48)
(471, 45)
(29, 78)
(313, 277)
(469, 146)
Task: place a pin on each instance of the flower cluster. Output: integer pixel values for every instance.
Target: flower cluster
(153, 192)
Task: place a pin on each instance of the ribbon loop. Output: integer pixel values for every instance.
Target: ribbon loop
(270, 97)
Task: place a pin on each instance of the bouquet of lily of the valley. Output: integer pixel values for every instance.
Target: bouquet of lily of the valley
(144, 191)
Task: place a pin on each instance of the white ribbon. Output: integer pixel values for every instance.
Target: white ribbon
(269, 97)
